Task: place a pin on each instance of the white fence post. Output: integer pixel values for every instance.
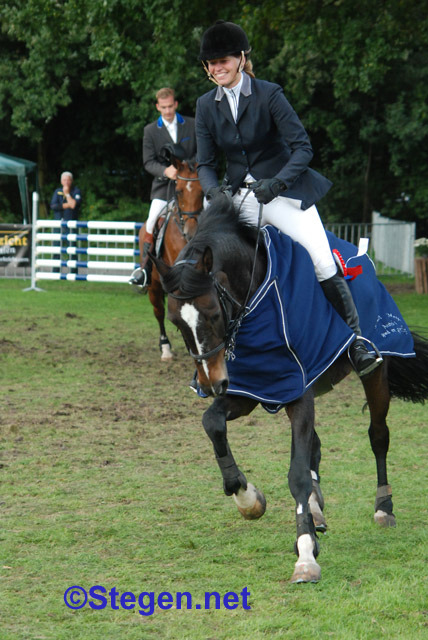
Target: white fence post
(34, 217)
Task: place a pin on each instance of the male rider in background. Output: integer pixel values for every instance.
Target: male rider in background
(170, 128)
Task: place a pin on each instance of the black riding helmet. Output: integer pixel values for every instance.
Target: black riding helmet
(223, 39)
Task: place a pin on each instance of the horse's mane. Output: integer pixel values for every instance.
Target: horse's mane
(222, 229)
(221, 223)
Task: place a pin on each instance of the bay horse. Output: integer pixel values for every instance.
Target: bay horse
(208, 288)
(181, 213)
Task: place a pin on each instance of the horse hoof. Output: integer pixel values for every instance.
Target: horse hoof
(251, 502)
(384, 519)
(321, 527)
(306, 572)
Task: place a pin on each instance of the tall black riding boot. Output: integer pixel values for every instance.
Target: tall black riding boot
(142, 276)
(337, 292)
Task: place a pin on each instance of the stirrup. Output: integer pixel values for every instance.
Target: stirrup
(373, 365)
(139, 278)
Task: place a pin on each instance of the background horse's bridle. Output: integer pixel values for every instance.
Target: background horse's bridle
(189, 214)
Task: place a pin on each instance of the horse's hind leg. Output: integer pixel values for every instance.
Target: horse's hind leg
(157, 299)
(249, 500)
(378, 397)
(316, 499)
(301, 414)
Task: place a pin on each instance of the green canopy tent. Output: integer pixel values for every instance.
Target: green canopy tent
(11, 166)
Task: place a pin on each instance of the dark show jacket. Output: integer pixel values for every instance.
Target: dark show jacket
(155, 137)
(268, 141)
(58, 199)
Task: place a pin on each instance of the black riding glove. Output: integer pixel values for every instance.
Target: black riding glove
(267, 189)
(224, 190)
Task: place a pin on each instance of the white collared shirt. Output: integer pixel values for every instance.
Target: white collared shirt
(232, 96)
(171, 128)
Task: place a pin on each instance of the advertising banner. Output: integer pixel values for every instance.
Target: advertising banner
(15, 245)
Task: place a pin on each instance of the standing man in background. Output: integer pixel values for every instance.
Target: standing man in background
(67, 199)
(65, 205)
(170, 128)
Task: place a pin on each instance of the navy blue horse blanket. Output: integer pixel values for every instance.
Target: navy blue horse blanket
(292, 335)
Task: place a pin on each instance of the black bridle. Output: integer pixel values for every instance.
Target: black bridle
(227, 302)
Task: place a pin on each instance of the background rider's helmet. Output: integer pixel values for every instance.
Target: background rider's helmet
(223, 39)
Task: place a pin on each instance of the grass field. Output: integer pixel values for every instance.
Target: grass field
(109, 479)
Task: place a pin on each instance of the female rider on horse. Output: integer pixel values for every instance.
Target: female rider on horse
(267, 151)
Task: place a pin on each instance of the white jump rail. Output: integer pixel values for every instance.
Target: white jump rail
(57, 238)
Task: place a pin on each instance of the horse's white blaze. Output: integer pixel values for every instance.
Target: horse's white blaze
(190, 316)
(246, 498)
(306, 548)
(189, 186)
(299, 509)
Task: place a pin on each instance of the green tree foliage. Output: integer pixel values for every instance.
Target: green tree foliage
(78, 78)
(357, 75)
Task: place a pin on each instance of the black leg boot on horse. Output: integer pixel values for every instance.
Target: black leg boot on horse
(142, 276)
(337, 292)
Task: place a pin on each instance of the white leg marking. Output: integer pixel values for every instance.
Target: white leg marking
(314, 475)
(166, 353)
(316, 510)
(306, 549)
(299, 509)
(190, 316)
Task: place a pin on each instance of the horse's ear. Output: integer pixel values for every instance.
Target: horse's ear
(207, 260)
(160, 265)
(177, 163)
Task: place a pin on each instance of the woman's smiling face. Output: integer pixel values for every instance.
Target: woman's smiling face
(225, 71)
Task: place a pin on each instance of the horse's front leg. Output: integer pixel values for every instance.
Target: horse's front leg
(378, 397)
(301, 414)
(250, 501)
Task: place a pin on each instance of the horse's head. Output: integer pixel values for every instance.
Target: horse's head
(208, 287)
(197, 310)
(189, 194)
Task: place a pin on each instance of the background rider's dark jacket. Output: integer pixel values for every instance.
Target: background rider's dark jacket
(268, 141)
(58, 199)
(156, 135)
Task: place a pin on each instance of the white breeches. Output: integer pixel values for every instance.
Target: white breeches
(304, 227)
(155, 208)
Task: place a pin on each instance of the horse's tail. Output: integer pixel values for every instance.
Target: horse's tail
(408, 377)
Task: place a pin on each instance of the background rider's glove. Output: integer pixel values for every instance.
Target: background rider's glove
(267, 189)
(224, 190)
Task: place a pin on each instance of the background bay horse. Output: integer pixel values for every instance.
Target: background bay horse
(215, 276)
(182, 222)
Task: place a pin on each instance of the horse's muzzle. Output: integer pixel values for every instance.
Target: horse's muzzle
(215, 388)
